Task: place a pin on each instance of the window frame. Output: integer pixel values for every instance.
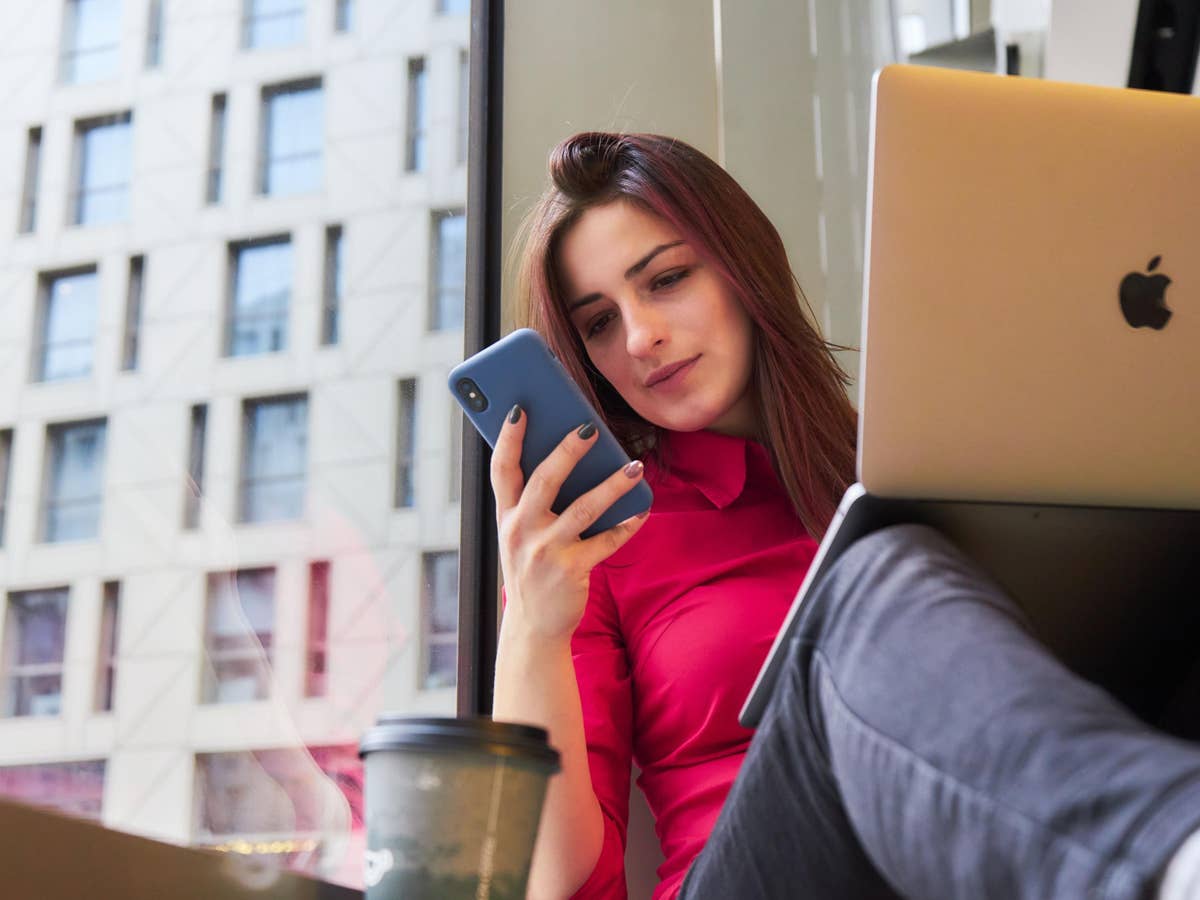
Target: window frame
(244, 480)
(233, 263)
(260, 653)
(27, 215)
(416, 114)
(77, 190)
(249, 19)
(44, 501)
(267, 95)
(13, 670)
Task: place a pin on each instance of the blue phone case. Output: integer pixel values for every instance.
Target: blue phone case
(521, 369)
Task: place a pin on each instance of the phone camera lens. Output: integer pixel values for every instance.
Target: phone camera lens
(471, 393)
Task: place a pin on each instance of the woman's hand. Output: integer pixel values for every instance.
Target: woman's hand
(546, 564)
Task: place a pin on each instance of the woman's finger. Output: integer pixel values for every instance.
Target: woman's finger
(599, 547)
(586, 509)
(547, 479)
(507, 478)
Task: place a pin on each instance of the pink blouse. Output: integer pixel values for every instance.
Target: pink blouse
(677, 624)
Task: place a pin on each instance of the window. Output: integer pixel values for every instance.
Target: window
(343, 15)
(449, 270)
(456, 440)
(74, 481)
(102, 165)
(106, 657)
(406, 443)
(464, 107)
(133, 313)
(291, 138)
(35, 630)
(454, 7)
(439, 619)
(27, 221)
(272, 23)
(275, 442)
(416, 125)
(334, 285)
(238, 628)
(67, 325)
(75, 788)
(154, 34)
(194, 491)
(6, 442)
(261, 296)
(267, 802)
(216, 150)
(316, 664)
(91, 40)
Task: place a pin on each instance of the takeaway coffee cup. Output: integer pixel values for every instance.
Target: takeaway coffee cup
(452, 807)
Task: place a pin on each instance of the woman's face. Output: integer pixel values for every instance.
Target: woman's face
(660, 325)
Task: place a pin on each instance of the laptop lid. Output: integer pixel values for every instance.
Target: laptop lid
(1031, 293)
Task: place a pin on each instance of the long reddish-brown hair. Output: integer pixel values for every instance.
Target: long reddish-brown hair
(806, 420)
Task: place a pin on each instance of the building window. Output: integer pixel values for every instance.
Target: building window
(102, 165)
(291, 138)
(67, 325)
(91, 40)
(272, 23)
(74, 788)
(406, 443)
(416, 125)
(154, 34)
(316, 667)
(6, 442)
(439, 619)
(216, 150)
(454, 7)
(74, 481)
(261, 289)
(29, 190)
(276, 803)
(464, 106)
(343, 15)
(194, 493)
(456, 441)
(275, 448)
(35, 629)
(106, 657)
(331, 303)
(449, 270)
(133, 313)
(238, 629)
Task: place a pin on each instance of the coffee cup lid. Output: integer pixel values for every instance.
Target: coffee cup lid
(480, 735)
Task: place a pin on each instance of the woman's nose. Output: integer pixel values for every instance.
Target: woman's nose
(645, 329)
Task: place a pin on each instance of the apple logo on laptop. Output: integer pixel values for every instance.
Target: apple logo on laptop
(1142, 300)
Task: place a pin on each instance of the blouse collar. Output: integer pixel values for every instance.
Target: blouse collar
(715, 464)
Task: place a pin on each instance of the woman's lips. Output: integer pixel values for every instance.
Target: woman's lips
(669, 376)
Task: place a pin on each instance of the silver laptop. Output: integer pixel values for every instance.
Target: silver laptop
(1030, 376)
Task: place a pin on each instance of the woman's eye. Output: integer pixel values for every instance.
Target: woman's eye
(670, 278)
(597, 324)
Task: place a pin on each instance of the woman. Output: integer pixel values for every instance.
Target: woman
(667, 294)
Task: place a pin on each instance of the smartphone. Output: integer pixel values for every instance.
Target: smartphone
(520, 368)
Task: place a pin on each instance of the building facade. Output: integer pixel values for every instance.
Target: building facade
(233, 287)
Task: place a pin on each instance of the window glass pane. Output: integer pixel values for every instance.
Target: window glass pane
(273, 23)
(73, 494)
(69, 326)
(454, 7)
(102, 194)
(276, 454)
(292, 157)
(261, 298)
(74, 788)
(35, 634)
(417, 125)
(240, 397)
(93, 40)
(440, 592)
(450, 270)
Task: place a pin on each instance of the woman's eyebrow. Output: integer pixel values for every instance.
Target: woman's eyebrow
(631, 272)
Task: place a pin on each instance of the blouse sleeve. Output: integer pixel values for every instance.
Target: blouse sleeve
(602, 671)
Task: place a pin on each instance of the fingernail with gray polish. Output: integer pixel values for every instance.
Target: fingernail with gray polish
(514, 414)
(586, 431)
